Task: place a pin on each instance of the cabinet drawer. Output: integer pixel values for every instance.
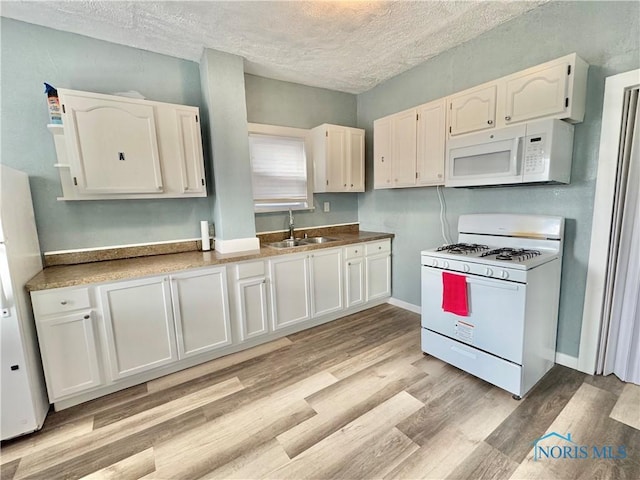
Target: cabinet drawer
(383, 246)
(250, 269)
(60, 300)
(353, 251)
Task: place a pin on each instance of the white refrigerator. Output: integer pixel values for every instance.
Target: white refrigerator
(23, 396)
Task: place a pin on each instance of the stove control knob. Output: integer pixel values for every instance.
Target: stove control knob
(434, 262)
(504, 274)
(488, 272)
(445, 264)
(466, 267)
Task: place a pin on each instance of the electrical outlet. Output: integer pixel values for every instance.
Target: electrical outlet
(327, 207)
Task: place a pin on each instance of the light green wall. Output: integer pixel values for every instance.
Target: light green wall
(222, 79)
(606, 35)
(32, 55)
(287, 104)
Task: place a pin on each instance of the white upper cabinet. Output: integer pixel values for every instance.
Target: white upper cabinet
(338, 158)
(409, 147)
(382, 153)
(472, 110)
(555, 89)
(403, 148)
(112, 147)
(189, 141)
(430, 152)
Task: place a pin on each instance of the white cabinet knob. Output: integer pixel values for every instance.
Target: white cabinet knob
(504, 274)
(488, 272)
(445, 264)
(434, 262)
(466, 267)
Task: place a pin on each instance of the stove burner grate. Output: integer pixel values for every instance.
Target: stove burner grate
(462, 248)
(511, 254)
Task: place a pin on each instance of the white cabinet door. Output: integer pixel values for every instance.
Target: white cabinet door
(139, 325)
(336, 158)
(326, 281)
(377, 269)
(112, 145)
(69, 354)
(190, 150)
(431, 147)
(472, 110)
(252, 307)
(356, 161)
(403, 148)
(354, 282)
(542, 93)
(290, 292)
(201, 311)
(382, 153)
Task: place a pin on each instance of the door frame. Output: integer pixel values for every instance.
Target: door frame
(615, 87)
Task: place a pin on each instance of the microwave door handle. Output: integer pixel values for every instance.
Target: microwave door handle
(516, 158)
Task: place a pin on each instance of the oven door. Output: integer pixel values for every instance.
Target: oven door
(495, 323)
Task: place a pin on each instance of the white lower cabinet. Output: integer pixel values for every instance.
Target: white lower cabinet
(69, 353)
(305, 286)
(138, 325)
(67, 334)
(251, 300)
(326, 281)
(354, 276)
(201, 311)
(378, 269)
(290, 292)
(97, 339)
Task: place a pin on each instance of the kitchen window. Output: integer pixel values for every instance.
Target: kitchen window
(280, 168)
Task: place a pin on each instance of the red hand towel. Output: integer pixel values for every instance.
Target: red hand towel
(454, 294)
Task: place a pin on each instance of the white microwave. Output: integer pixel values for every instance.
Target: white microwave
(533, 152)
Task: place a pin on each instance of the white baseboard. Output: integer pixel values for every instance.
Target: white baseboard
(567, 360)
(406, 305)
(237, 245)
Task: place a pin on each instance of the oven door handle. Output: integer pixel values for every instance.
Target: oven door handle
(494, 283)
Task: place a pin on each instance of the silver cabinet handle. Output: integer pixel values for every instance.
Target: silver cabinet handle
(490, 122)
(507, 118)
(87, 317)
(63, 302)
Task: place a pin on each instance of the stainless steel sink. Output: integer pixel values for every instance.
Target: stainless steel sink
(286, 243)
(298, 242)
(317, 240)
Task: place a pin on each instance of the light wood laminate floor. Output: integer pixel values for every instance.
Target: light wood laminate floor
(352, 399)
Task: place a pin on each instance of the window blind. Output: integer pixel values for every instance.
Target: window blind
(279, 172)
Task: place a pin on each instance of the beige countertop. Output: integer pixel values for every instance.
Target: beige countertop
(111, 270)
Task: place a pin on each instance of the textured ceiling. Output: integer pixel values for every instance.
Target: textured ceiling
(349, 46)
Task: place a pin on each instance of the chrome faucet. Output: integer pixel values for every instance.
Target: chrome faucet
(291, 226)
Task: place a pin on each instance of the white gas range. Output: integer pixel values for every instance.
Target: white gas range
(490, 302)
